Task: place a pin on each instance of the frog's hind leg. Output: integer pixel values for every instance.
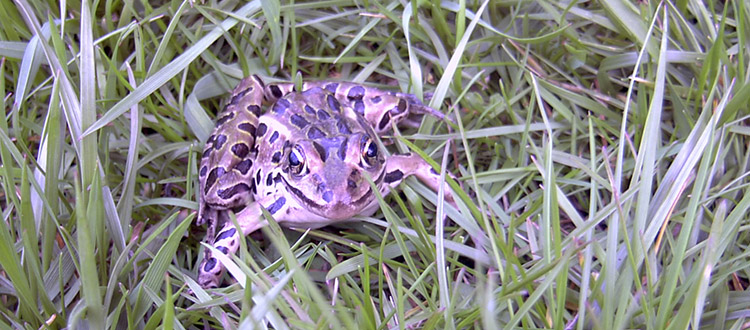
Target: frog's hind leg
(228, 153)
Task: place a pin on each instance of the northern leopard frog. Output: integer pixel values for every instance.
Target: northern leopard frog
(304, 160)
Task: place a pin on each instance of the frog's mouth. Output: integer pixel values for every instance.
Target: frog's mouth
(335, 210)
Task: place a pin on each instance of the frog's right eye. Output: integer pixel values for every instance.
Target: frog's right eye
(369, 152)
(296, 160)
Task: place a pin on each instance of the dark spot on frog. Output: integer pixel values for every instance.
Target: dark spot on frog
(219, 141)
(309, 109)
(247, 127)
(321, 151)
(400, 108)
(328, 196)
(240, 150)
(359, 107)
(254, 109)
(257, 177)
(237, 96)
(394, 176)
(234, 190)
(299, 121)
(277, 205)
(244, 166)
(261, 130)
(224, 119)
(351, 184)
(342, 150)
(343, 128)
(323, 115)
(276, 158)
(432, 170)
(384, 121)
(203, 171)
(226, 234)
(281, 106)
(214, 175)
(332, 87)
(333, 103)
(275, 91)
(206, 152)
(257, 80)
(210, 264)
(356, 93)
(223, 249)
(315, 133)
(376, 99)
(269, 179)
(273, 138)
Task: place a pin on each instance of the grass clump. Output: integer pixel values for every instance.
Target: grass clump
(601, 150)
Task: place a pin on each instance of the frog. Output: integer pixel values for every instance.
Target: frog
(308, 159)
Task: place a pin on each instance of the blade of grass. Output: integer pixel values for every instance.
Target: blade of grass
(154, 276)
(86, 214)
(170, 70)
(9, 259)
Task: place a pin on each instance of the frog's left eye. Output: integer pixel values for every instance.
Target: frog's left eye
(296, 160)
(369, 152)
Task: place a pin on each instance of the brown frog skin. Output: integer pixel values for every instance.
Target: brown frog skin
(305, 160)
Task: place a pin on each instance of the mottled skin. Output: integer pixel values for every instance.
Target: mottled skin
(305, 160)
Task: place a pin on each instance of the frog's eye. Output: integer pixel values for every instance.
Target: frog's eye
(369, 151)
(296, 160)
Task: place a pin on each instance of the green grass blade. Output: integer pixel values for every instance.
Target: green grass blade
(154, 276)
(87, 211)
(170, 70)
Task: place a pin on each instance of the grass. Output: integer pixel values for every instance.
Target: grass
(601, 148)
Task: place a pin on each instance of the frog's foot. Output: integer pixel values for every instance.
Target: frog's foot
(227, 241)
(400, 166)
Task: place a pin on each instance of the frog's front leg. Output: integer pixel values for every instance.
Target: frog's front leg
(228, 239)
(401, 166)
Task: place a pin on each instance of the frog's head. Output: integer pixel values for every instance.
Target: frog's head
(329, 175)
